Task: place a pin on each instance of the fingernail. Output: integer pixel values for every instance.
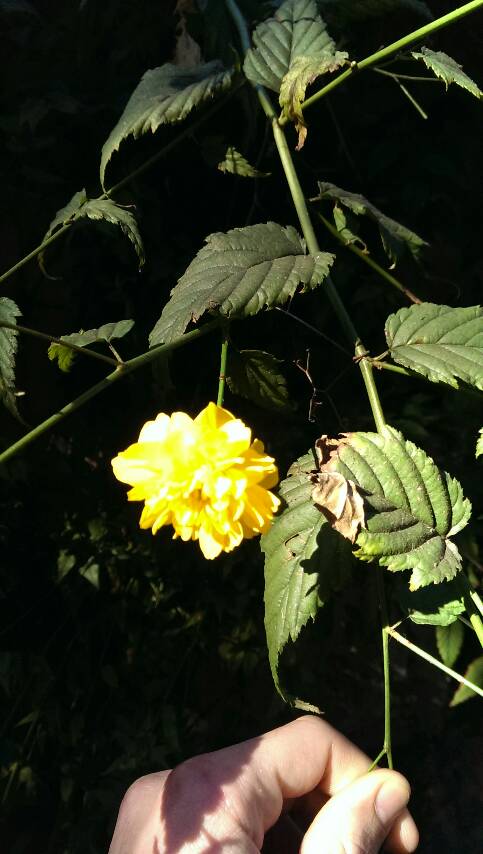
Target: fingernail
(390, 801)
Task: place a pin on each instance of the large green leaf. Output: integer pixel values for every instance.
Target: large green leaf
(474, 673)
(347, 11)
(9, 312)
(412, 507)
(238, 273)
(395, 237)
(97, 209)
(447, 69)
(295, 30)
(443, 344)
(256, 375)
(436, 605)
(65, 355)
(305, 560)
(449, 640)
(165, 95)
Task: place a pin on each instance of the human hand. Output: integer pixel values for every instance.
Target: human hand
(226, 802)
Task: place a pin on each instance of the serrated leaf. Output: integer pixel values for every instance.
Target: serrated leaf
(303, 71)
(238, 273)
(107, 211)
(412, 506)
(474, 673)
(165, 95)
(395, 237)
(9, 311)
(63, 215)
(436, 605)
(65, 355)
(305, 560)
(447, 69)
(449, 640)
(347, 11)
(234, 163)
(256, 375)
(296, 29)
(443, 344)
(479, 444)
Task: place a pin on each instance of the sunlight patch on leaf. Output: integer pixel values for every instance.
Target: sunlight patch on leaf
(447, 69)
(479, 444)
(9, 311)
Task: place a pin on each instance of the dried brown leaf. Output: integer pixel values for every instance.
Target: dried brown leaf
(340, 502)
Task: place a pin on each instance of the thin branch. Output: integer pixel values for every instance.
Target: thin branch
(222, 374)
(44, 336)
(396, 75)
(439, 664)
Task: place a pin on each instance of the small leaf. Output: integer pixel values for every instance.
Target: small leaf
(165, 95)
(302, 72)
(436, 605)
(305, 560)
(65, 355)
(479, 444)
(412, 507)
(347, 11)
(9, 312)
(255, 375)
(395, 237)
(63, 215)
(474, 674)
(449, 640)
(236, 164)
(238, 273)
(447, 69)
(443, 344)
(108, 211)
(295, 30)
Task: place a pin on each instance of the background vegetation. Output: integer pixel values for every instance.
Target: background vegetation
(121, 653)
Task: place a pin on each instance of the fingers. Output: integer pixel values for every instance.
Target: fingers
(138, 820)
(362, 816)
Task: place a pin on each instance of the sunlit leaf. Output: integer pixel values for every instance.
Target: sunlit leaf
(443, 344)
(305, 560)
(474, 673)
(165, 95)
(238, 273)
(296, 29)
(479, 444)
(447, 69)
(395, 237)
(302, 72)
(412, 507)
(234, 163)
(256, 375)
(449, 640)
(9, 312)
(65, 355)
(436, 605)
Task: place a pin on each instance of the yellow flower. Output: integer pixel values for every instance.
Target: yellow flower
(204, 476)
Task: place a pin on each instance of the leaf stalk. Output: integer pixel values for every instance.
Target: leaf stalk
(434, 661)
(223, 362)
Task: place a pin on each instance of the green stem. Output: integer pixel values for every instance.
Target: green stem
(369, 261)
(434, 661)
(121, 371)
(396, 76)
(33, 254)
(473, 605)
(376, 760)
(222, 376)
(385, 660)
(404, 42)
(52, 339)
(412, 100)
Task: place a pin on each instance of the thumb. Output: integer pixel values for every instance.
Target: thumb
(362, 816)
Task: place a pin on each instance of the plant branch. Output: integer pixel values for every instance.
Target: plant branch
(439, 664)
(52, 339)
(396, 76)
(222, 375)
(369, 261)
(121, 371)
(400, 44)
(387, 748)
(473, 605)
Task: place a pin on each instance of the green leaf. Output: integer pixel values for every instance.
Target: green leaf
(347, 11)
(449, 640)
(479, 444)
(302, 72)
(165, 95)
(412, 506)
(447, 69)
(238, 273)
(443, 344)
(395, 237)
(474, 673)
(305, 560)
(65, 355)
(63, 215)
(255, 375)
(436, 605)
(9, 312)
(236, 164)
(295, 30)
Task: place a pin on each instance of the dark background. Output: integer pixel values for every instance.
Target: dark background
(121, 653)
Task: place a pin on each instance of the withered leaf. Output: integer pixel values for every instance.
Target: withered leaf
(340, 502)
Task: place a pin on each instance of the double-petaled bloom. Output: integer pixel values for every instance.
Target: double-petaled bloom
(204, 476)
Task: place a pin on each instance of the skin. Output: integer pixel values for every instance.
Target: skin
(301, 789)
